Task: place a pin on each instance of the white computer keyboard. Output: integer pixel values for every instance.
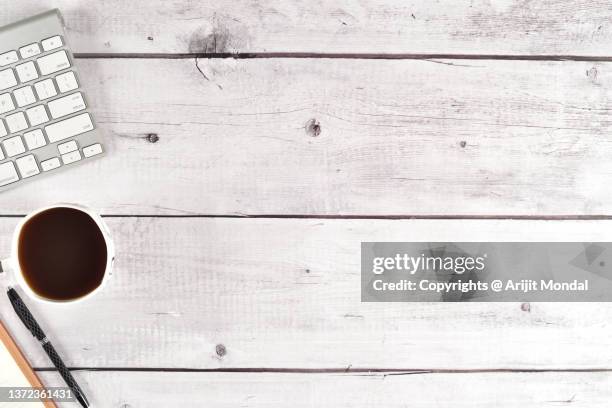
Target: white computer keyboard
(45, 122)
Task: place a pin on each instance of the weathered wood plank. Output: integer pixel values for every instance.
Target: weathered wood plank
(286, 294)
(511, 390)
(391, 137)
(372, 26)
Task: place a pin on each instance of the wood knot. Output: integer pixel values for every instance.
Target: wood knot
(150, 38)
(221, 350)
(463, 143)
(526, 307)
(313, 128)
(216, 42)
(152, 138)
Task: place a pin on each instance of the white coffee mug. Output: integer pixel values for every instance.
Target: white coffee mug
(12, 264)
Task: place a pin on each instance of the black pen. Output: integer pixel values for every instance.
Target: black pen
(31, 324)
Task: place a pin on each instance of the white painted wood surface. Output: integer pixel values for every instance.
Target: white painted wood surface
(286, 294)
(397, 137)
(500, 390)
(341, 26)
(234, 139)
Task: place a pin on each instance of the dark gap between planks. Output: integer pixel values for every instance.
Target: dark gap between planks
(570, 217)
(301, 55)
(348, 370)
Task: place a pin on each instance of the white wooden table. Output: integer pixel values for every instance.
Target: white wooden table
(239, 189)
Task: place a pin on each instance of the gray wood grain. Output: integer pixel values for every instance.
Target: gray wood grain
(352, 137)
(372, 26)
(285, 294)
(320, 137)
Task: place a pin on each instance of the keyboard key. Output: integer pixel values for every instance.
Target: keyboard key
(24, 96)
(27, 166)
(8, 58)
(52, 43)
(2, 130)
(8, 174)
(50, 164)
(34, 139)
(16, 122)
(66, 105)
(13, 146)
(69, 127)
(66, 82)
(71, 157)
(6, 103)
(26, 72)
(37, 115)
(67, 147)
(7, 79)
(53, 62)
(45, 89)
(29, 50)
(92, 150)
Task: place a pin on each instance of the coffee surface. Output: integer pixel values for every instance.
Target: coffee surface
(62, 253)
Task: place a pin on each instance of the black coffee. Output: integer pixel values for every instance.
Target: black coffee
(62, 253)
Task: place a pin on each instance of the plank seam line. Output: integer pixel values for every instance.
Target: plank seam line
(349, 370)
(364, 56)
(570, 217)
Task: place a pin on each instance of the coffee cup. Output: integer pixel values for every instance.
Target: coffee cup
(61, 254)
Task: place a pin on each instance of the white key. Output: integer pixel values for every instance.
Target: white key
(27, 166)
(45, 89)
(66, 82)
(34, 139)
(69, 127)
(16, 122)
(26, 72)
(71, 157)
(92, 150)
(67, 147)
(53, 62)
(29, 50)
(37, 115)
(6, 103)
(52, 43)
(14, 146)
(66, 105)
(7, 79)
(24, 96)
(50, 164)
(8, 58)
(2, 129)
(8, 174)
